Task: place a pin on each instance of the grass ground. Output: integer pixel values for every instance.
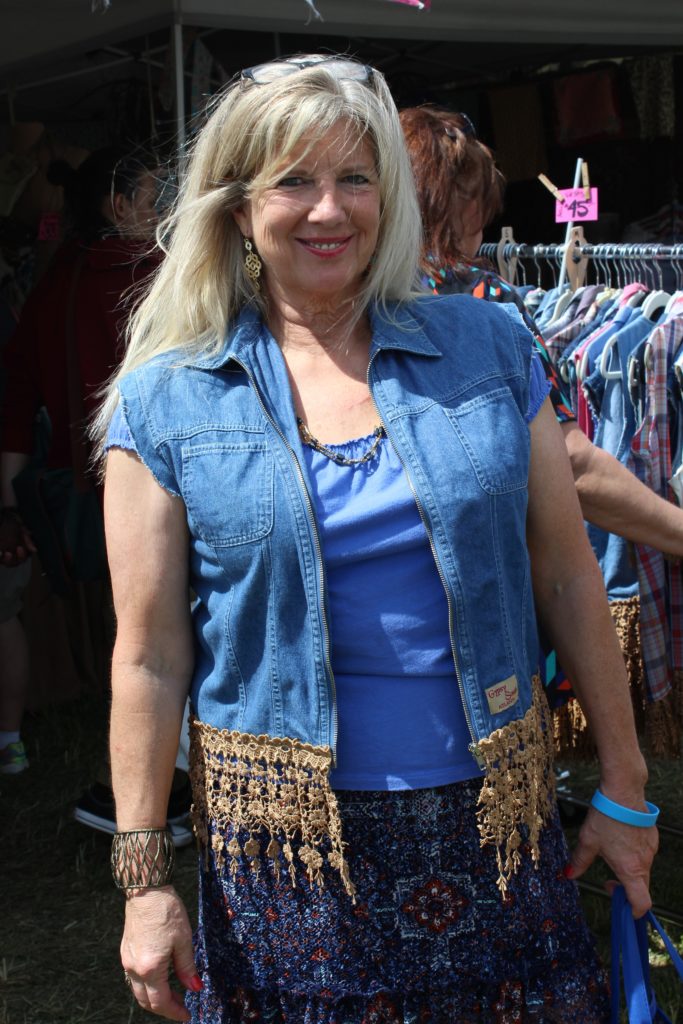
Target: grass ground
(61, 916)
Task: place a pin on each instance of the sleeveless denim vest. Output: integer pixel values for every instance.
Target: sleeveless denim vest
(450, 379)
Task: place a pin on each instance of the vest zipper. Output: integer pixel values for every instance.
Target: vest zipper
(318, 548)
(473, 747)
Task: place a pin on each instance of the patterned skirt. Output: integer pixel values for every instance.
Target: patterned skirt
(428, 941)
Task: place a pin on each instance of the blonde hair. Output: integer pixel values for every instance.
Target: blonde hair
(252, 131)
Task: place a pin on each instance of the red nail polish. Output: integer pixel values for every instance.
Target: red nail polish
(568, 871)
(196, 983)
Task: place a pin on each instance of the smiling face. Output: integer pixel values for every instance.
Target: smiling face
(316, 229)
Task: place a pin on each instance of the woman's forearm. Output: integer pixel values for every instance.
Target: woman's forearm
(146, 719)
(614, 499)
(576, 616)
(147, 547)
(572, 606)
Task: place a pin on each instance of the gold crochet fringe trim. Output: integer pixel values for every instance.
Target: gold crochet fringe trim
(572, 737)
(275, 789)
(626, 618)
(519, 785)
(659, 723)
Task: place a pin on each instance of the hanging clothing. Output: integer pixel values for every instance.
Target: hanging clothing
(620, 368)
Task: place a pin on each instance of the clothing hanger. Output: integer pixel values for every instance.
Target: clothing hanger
(603, 262)
(654, 303)
(561, 305)
(678, 293)
(506, 268)
(619, 269)
(633, 374)
(605, 358)
(565, 296)
(658, 299)
(648, 358)
(522, 269)
(646, 271)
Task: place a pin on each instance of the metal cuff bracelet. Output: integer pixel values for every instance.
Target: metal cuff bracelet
(142, 858)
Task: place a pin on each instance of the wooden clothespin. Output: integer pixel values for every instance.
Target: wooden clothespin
(585, 180)
(577, 261)
(507, 262)
(554, 191)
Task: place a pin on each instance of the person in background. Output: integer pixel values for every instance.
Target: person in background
(460, 191)
(14, 652)
(14, 666)
(110, 203)
(361, 483)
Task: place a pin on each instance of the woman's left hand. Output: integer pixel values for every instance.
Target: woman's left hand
(628, 850)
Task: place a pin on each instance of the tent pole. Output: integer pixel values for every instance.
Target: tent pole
(178, 60)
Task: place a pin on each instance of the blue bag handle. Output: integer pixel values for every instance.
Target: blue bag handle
(629, 945)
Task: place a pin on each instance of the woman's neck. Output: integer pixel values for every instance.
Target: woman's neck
(334, 328)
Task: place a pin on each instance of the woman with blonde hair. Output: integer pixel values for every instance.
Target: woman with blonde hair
(358, 496)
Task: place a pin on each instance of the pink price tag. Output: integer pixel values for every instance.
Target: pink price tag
(575, 206)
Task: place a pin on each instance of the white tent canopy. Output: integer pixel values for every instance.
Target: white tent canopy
(36, 33)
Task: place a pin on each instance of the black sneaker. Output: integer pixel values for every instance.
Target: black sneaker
(95, 808)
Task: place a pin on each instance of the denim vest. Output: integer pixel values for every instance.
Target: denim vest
(450, 378)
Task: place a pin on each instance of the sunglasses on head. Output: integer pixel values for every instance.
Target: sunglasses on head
(467, 128)
(349, 70)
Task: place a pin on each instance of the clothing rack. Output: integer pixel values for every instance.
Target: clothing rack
(624, 263)
(628, 259)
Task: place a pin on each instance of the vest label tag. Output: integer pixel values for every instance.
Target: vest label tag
(502, 696)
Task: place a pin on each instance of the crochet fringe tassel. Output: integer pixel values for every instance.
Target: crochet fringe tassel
(266, 786)
(278, 791)
(659, 723)
(519, 785)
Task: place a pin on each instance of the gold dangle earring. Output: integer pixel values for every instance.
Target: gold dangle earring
(252, 264)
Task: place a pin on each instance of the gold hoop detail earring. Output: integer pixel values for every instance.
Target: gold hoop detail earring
(252, 264)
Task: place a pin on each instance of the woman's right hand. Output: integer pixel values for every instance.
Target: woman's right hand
(156, 936)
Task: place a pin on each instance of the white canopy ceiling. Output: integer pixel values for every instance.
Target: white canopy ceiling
(36, 33)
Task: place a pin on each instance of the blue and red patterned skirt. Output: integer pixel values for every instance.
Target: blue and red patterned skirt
(428, 941)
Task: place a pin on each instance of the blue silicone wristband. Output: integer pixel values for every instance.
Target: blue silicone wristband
(628, 816)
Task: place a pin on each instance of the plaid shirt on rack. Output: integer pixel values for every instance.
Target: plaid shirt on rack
(661, 586)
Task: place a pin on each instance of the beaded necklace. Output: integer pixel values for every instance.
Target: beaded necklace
(341, 460)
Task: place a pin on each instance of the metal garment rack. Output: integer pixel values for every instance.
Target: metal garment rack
(622, 262)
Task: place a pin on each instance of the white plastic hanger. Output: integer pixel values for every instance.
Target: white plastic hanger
(604, 360)
(654, 303)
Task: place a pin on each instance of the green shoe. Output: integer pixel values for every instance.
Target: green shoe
(13, 759)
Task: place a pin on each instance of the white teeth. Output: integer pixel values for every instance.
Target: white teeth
(325, 245)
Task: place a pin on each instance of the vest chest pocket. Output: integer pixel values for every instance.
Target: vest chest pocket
(495, 437)
(228, 491)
